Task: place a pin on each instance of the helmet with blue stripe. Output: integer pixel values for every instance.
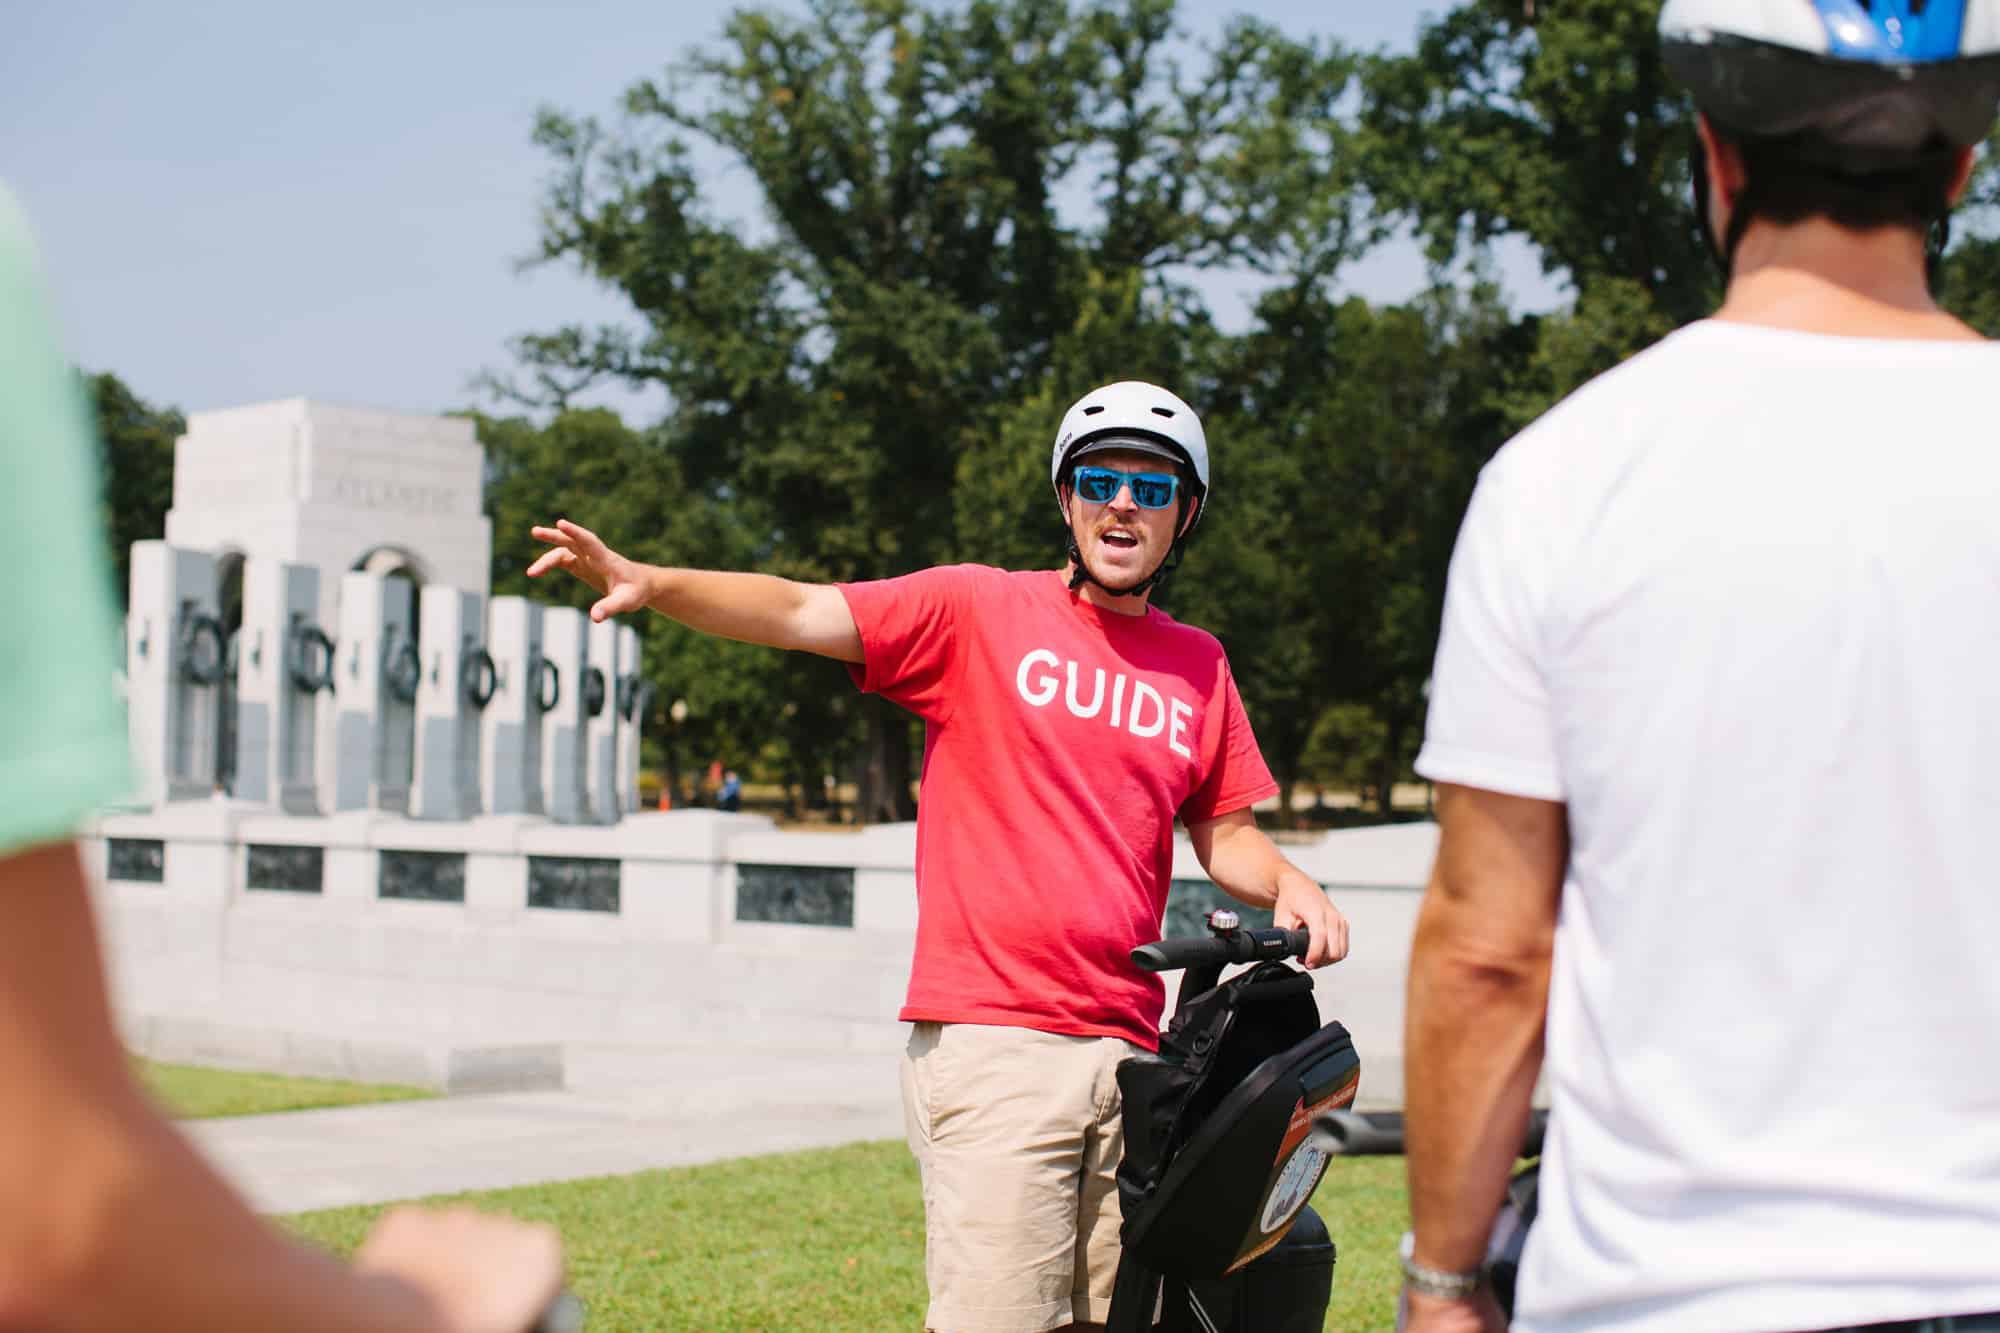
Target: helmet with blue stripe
(1871, 83)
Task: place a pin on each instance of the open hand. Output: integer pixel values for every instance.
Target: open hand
(473, 1272)
(621, 583)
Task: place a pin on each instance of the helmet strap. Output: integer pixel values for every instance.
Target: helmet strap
(1166, 567)
(1936, 237)
(1740, 217)
(1080, 573)
(1699, 163)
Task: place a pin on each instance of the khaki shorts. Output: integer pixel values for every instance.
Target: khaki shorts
(1017, 1136)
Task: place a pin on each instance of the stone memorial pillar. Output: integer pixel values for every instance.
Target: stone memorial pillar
(565, 638)
(175, 656)
(634, 700)
(601, 723)
(511, 740)
(379, 672)
(284, 660)
(459, 679)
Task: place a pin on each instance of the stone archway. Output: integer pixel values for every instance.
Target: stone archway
(393, 562)
(398, 562)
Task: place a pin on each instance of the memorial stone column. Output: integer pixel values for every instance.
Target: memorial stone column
(375, 695)
(634, 699)
(602, 723)
(459, 679)
(284, 660)
(511, 744)
(176, 654)
(565, 637)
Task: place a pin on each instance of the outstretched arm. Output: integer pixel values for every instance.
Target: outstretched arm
(751, 608)
(1240, 858)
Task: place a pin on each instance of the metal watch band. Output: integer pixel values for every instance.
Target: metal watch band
(1435, 1282)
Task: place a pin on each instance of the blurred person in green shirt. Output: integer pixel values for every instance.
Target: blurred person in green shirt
(108, 1219)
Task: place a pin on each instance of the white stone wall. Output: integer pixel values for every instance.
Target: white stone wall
(674, 966)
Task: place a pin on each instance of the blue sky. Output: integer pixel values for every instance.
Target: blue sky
(240, 200)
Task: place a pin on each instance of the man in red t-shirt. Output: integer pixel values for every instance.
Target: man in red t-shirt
(1069, 723)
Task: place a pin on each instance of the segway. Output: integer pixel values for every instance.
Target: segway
(1346, 1133)
(1220, 1154)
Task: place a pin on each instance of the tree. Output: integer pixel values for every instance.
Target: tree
(1970, 279)
(1556, 124)
(1559, 125)
(919, 276)
(1970, 287)
(1359, 432)
(586, 464)
(138, 443)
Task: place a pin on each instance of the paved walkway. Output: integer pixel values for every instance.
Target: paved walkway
(624, 1110)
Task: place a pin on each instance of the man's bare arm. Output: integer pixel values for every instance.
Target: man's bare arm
(108, 1219)
(1248, 866)
(759, 608)
(1478, 995)
(751, 608)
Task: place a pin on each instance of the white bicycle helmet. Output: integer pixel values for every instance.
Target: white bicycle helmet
(1871, 81)
(1137, 417)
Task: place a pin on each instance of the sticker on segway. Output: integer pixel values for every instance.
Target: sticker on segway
(1295, 1185)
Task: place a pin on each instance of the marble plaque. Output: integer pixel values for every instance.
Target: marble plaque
(137, 860)
(573, 883)
(796, 895)
(437, 877)
(284, 867)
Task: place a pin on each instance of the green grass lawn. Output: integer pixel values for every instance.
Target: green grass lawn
(827, 1240)
(191, 1093)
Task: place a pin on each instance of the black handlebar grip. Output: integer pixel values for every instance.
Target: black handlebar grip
(1355, 1134)
(1380, 1133)
(1167, 955)
(1243, 946)
(1296, 943)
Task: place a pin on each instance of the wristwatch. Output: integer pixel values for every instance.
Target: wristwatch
(1435, 1282)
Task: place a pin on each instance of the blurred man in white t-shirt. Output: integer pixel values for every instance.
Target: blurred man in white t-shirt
(1716, 719)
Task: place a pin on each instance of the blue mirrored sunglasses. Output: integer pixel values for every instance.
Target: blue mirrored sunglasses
(1150, 490)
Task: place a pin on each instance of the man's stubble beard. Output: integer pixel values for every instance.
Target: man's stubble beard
(1105, 584)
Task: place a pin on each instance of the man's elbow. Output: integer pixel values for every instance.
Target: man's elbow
(1492, 960)
(1483, 978)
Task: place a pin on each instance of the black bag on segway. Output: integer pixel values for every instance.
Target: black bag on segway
(1218, 1160)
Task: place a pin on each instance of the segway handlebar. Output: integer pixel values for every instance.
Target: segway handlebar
(1237, 946)
(1380, 1133)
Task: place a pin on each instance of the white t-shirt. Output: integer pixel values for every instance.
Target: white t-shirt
(1737, 604)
